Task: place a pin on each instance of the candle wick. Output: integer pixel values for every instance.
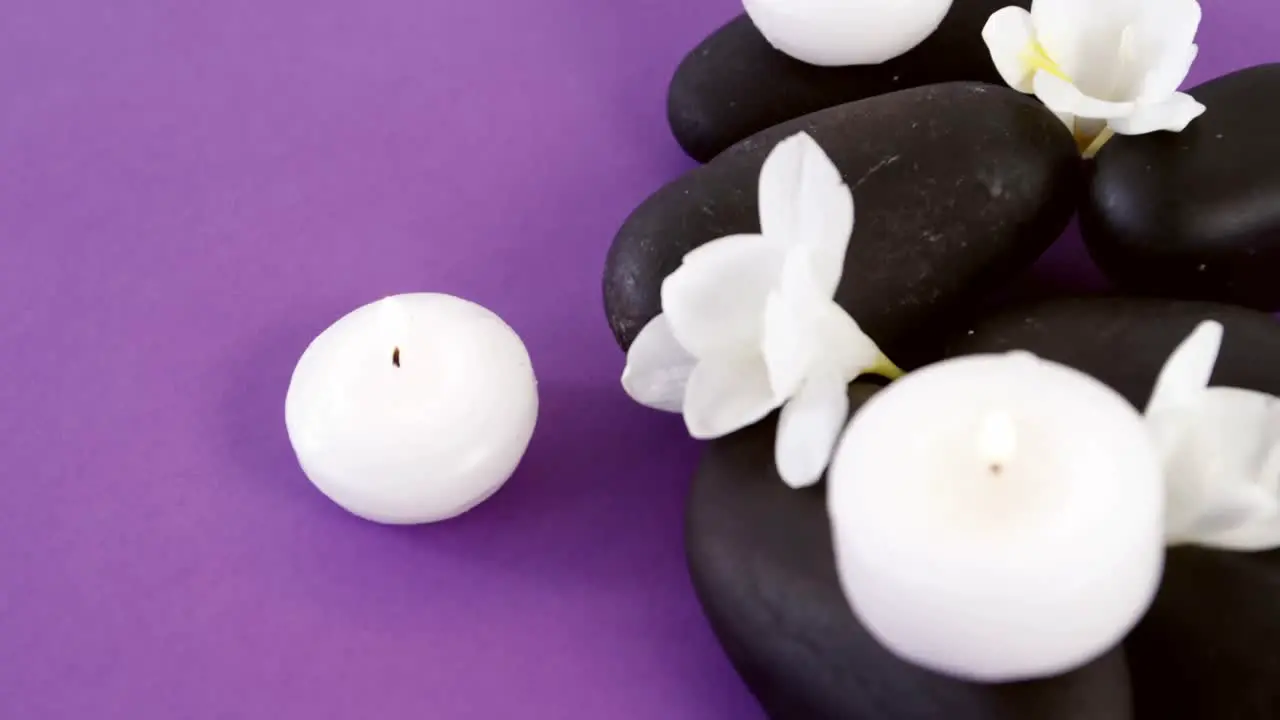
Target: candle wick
(998, 441)
(395, 357)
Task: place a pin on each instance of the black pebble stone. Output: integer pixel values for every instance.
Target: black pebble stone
(763, 568)
(1124, 341)
(1209, 648)
(1196, 214)
(958, 188)
(734, 84)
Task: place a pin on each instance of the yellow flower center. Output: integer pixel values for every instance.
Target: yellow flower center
(1035, 56)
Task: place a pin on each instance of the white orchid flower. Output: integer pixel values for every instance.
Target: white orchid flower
(1103, 66)
(749, 323)
(1221, 452)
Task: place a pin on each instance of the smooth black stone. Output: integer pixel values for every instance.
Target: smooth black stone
(763, 568)
(1209, 648)
(735, 84)
(958, 188)
(1196, 214)
(1124, 341)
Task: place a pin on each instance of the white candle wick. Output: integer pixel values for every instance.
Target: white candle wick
(997, 440)
(393, 319)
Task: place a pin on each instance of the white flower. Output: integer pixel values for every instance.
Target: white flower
(1221, 452)
(749, 322)
(1104, 66)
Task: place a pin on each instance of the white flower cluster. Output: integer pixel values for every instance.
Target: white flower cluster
(749, 323)
(1103, 66)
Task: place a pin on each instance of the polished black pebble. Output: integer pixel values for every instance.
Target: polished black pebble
(734, 84)
(763, 568)
(1209, 648)
(1124, 341)
(958, 188)
(1196, 214)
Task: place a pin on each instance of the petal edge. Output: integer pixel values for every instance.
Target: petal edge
(725, 395)
(715, 301)
(1008, 33)
(804, 201)
(1187, 371)
(809, 428)
(658, 368)
(1171, 115)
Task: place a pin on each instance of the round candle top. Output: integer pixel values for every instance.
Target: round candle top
(846, 32)
(412, 409)
(998, 518)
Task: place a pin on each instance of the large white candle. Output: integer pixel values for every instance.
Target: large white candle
(998, 518)
(412, 409)
(846, 32)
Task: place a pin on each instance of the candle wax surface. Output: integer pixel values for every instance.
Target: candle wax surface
(998, 518)
(846, 32)
(412, 409)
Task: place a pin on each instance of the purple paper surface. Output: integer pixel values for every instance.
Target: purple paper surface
(189, 192)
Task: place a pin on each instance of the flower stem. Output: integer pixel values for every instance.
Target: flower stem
(1092, 148)
(884, 367)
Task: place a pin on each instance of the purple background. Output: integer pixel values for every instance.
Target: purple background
(189, 192)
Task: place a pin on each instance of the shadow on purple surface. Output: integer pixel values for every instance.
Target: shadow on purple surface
(575, 509)
(1064, 270)
(252, 412)
(578, 503)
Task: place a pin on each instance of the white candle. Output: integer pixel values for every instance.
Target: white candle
(412, 409)
(997, 518)
(846, 32)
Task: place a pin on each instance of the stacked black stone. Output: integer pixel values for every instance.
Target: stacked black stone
(960, 185)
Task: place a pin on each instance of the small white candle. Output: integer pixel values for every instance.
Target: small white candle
(998, 518)
(846, 32)
(412, 409)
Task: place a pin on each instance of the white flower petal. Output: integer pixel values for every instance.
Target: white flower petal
(1061, 96)
(845, 346)
(1009, 34)
(799, 325)
(1061, 27)
(803, 199)
(715, 300)
(1269, 467)
(800, 279)
(1166, 27)
(658, 368)
(1224, 512)
(1180, 20)
(790, 341)
(727, 394)
(788, 346)
(715, 250)
(1166, 76)
(1254, 537)
(1215, 511)
(1173, 114)
(1082, 35)
(1185, 375)
(1120, 79)
(809, 427)
(1067, 119)
(1220, 458)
